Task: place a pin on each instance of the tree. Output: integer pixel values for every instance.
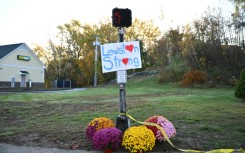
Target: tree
(162, 51)
(168, 46)
(240, 89)
(210, 28)
(237, 23)
(189, 46)
(78, 51)
(169, 56)
(73, 56)
(148, 34)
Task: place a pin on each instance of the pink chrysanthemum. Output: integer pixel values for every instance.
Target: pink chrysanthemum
(167, 126)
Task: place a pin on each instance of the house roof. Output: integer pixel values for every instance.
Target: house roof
(6, 49)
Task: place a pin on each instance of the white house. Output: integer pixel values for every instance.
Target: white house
(20, 67)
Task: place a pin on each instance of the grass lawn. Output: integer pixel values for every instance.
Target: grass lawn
(205, 118)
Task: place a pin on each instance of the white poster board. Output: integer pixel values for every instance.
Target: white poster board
(120, 56)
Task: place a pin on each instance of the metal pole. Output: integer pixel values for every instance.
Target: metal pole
(122, 90)
(122, 122)
(95, 60)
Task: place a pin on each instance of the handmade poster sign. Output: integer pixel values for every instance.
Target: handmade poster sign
(120, 56)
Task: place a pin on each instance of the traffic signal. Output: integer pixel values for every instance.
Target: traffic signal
(121, 17)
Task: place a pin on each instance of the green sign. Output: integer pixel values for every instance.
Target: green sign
(24, 58)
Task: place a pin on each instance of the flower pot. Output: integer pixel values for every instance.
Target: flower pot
(108, 150)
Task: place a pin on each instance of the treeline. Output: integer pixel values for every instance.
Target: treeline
(211, 44)
(72, 56)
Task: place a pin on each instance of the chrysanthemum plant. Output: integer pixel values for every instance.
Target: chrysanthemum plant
(138, 139)
(108, 138)
(167, 126)
(98, 124)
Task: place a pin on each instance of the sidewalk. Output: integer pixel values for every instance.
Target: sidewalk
(7, 148)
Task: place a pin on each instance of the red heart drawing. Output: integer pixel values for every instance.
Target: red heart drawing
(125, 61)
(129, 47)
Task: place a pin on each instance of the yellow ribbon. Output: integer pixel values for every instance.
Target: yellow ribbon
(183, 150)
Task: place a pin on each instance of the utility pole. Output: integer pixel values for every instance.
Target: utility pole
(96, 43)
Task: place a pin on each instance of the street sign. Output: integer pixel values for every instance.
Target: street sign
(96, 43)
(122, 76)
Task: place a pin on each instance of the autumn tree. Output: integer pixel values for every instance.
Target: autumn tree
(236, 24)
(189, 47)
(73, 56)
(148, 34)
(169, 56)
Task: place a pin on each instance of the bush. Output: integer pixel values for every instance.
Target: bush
(174, 72)
(193, 77)
(223, 76)
(167, 75)
(240, 89)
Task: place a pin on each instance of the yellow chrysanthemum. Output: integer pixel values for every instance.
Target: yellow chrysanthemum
(101, 123)
(138, 139)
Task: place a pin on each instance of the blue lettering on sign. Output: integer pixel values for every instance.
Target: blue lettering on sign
(136, 49)
(110, 52)
(134, 61)
(107, 60)
(114, 58)
(109, 63)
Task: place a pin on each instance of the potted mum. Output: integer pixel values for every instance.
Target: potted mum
(98, 124)
(167, 126)
(138, 139)
(108, 139)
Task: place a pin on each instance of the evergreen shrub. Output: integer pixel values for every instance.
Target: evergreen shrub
(240, 89)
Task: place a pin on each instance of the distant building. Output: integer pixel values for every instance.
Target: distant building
(20, 67)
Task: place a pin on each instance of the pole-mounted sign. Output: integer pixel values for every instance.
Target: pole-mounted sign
(120, 56)
(121, 76)
(121, 17)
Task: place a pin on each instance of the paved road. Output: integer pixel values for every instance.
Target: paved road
(66, 90)
(26, 91)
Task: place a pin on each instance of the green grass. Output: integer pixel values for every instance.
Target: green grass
(6, 133)
(205, 118)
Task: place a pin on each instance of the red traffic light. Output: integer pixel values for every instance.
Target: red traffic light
(121, 17)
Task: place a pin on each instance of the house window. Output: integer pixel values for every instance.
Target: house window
(24, 58)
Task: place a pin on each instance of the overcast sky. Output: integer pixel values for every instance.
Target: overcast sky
(34, 21)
